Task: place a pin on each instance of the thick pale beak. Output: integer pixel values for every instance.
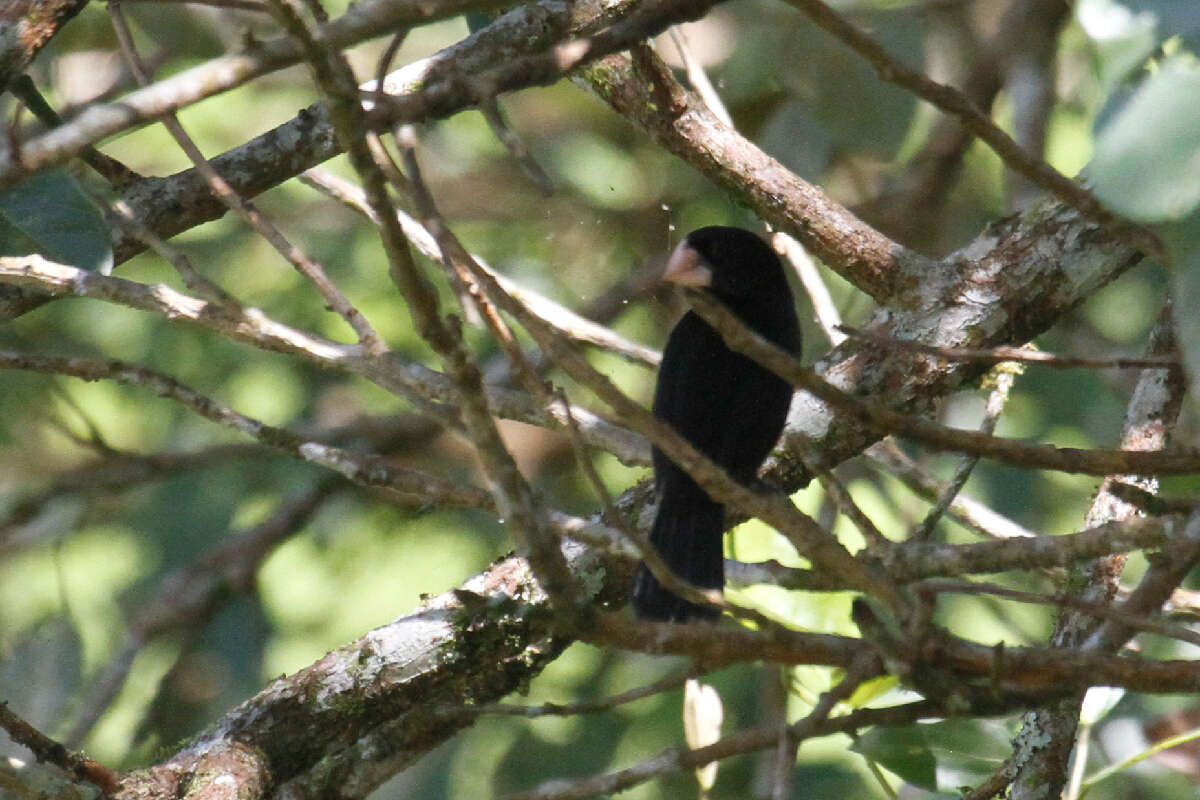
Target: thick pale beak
(686, 268)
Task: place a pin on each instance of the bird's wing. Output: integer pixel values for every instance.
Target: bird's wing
(722, 402)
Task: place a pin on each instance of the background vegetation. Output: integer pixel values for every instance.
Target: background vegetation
(130, 619)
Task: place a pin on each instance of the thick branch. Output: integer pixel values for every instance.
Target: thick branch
(647, 94)
(470, 646)
(364, 20)
(25, 28)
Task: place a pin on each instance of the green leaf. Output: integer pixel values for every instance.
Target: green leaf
(49, 215)
(872, 689)
(1147, 162)
(904, 751)
(1122, 37)
(968, 749)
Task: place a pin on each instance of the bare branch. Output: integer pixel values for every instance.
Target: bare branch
(676, 760)
(684, 125)
(345, 724)
(916, 560)
(673, 681)
(818, 293)
(311, 270)
(46, 749)
(250, 325)
(574, 326)
(362, 21)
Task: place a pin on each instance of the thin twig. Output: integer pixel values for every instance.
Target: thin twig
(1105, 612)
(113, 171)
(514, 498)
(120, 216)
(677, 760)
(365, 469)
(1042, 456)
(841, 497)
(569, 323)
(1002, 380)
(966, 511)
(828, 316)
(698, 78)
(428, 389)
(50, 751)
(310, 269)
(672, 681)
(516, 148)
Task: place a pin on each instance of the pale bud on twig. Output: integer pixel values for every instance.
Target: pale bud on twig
(702, 715)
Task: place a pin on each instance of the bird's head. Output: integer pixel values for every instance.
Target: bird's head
(731, 263)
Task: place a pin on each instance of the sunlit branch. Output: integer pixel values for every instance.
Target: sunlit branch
(361, 21)
(917, 560)
(251, 326)
(645, 91)
(445, 652)
(828, 316)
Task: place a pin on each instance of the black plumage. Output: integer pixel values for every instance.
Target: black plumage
(724, 403)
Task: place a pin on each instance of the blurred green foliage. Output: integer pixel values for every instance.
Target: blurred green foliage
(93, 559)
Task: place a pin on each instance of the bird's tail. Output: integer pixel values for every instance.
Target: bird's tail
(687, 534)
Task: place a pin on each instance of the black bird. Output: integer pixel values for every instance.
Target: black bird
(724, 403)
